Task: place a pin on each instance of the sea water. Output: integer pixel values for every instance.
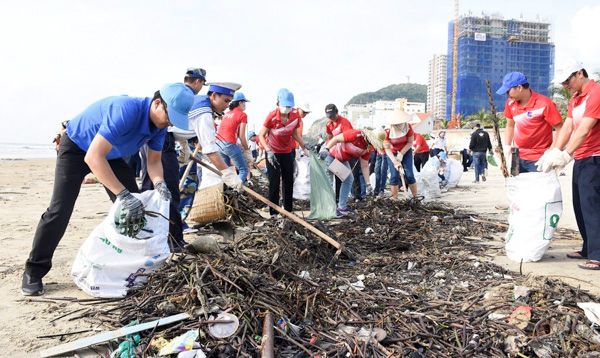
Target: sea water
(26, 151)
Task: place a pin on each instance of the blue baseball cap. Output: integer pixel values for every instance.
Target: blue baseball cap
(196, 73)
(179, 99)
(239, 96)
(285, 98)
(511, 80)
(251, 134)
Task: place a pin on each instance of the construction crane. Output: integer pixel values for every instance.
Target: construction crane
(454, 118)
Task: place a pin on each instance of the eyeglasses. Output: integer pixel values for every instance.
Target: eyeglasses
(568, 80)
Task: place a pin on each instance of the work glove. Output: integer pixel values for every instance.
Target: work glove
(130, 216)
(369, 190)
(231, 179)
(161, 188)
(306, 152)
(272, 159)
(544, 164)
(324, 152)
(560, 160)
(248, 157)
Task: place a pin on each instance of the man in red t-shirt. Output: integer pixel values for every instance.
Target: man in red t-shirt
(336, 123)
(421, 150)
(530, 119)
(579, 139)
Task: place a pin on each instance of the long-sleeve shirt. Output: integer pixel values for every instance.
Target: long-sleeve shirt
(480, 141)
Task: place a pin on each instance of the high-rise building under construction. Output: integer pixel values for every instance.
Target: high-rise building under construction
(488, 48)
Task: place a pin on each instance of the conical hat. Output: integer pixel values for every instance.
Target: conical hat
(399, 117)
(375, 138)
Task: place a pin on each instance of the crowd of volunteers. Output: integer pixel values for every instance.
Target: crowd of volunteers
(177, 119)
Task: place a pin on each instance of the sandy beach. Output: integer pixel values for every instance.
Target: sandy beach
(25, 190)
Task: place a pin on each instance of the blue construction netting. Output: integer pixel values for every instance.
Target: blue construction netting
(490, 59)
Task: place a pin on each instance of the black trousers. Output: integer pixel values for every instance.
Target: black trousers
(68, 175)
(420, 160)
(171, 176)
(586, 204)
(281, 177)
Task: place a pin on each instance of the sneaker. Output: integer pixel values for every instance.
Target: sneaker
(31, 286)
(342, 212)
(483, 177)
(476, 181)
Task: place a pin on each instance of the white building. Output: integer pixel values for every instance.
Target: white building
(414, 107)
(436, 87)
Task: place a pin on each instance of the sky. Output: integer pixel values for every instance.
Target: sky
(60, 56)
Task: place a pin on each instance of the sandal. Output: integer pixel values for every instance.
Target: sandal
(590, 265)
(576, 255)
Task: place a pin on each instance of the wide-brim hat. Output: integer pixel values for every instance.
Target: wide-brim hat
(399, 117)
(375, 137)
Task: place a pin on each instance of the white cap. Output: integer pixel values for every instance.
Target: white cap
(305, 108)
(564, 72)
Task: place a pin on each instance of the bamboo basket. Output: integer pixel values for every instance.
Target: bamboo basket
(209, 205)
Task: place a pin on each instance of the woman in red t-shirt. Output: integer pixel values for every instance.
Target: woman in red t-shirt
(398, 147)
(421, 151)
(280, 129)
(232, 128)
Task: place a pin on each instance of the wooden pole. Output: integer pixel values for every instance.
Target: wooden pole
(189, 167)
(268, 340)
(503, 166)
(295, 218)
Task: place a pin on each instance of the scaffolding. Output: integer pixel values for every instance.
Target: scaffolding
(488, 48)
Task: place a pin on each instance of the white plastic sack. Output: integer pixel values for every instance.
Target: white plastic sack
(108, 263)
(372, 180)
(535, 202)
(302, 179)
(428, 181)
(453, 172)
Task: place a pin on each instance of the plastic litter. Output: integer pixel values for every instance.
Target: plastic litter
(224, 330)
(322, 198)
(182, 343)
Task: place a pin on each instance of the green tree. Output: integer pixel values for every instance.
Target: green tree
(413, 92)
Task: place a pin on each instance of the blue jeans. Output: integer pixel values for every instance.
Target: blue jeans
(233, 152)
(407, 165)
(479, 164)
(527, 166)
(381, 167)
(346, 186)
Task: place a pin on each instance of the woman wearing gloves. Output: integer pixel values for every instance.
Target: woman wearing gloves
(352, 143)
(579, 139)
(233, 126)
(398, 147)
(277, 135)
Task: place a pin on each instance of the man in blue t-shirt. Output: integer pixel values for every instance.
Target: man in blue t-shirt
(96, 141)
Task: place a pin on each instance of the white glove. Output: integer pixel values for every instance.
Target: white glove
(544, 163)
(248, 157)
(560, 160)
(231, 179)
(369, 190)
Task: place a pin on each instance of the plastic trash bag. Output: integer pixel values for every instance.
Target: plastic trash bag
(535, 207)
(108, 264)
(302, 179)
(322, 197)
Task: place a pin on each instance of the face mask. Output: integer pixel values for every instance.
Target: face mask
(285, 110)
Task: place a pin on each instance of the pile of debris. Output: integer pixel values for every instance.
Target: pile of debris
(410, 282)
